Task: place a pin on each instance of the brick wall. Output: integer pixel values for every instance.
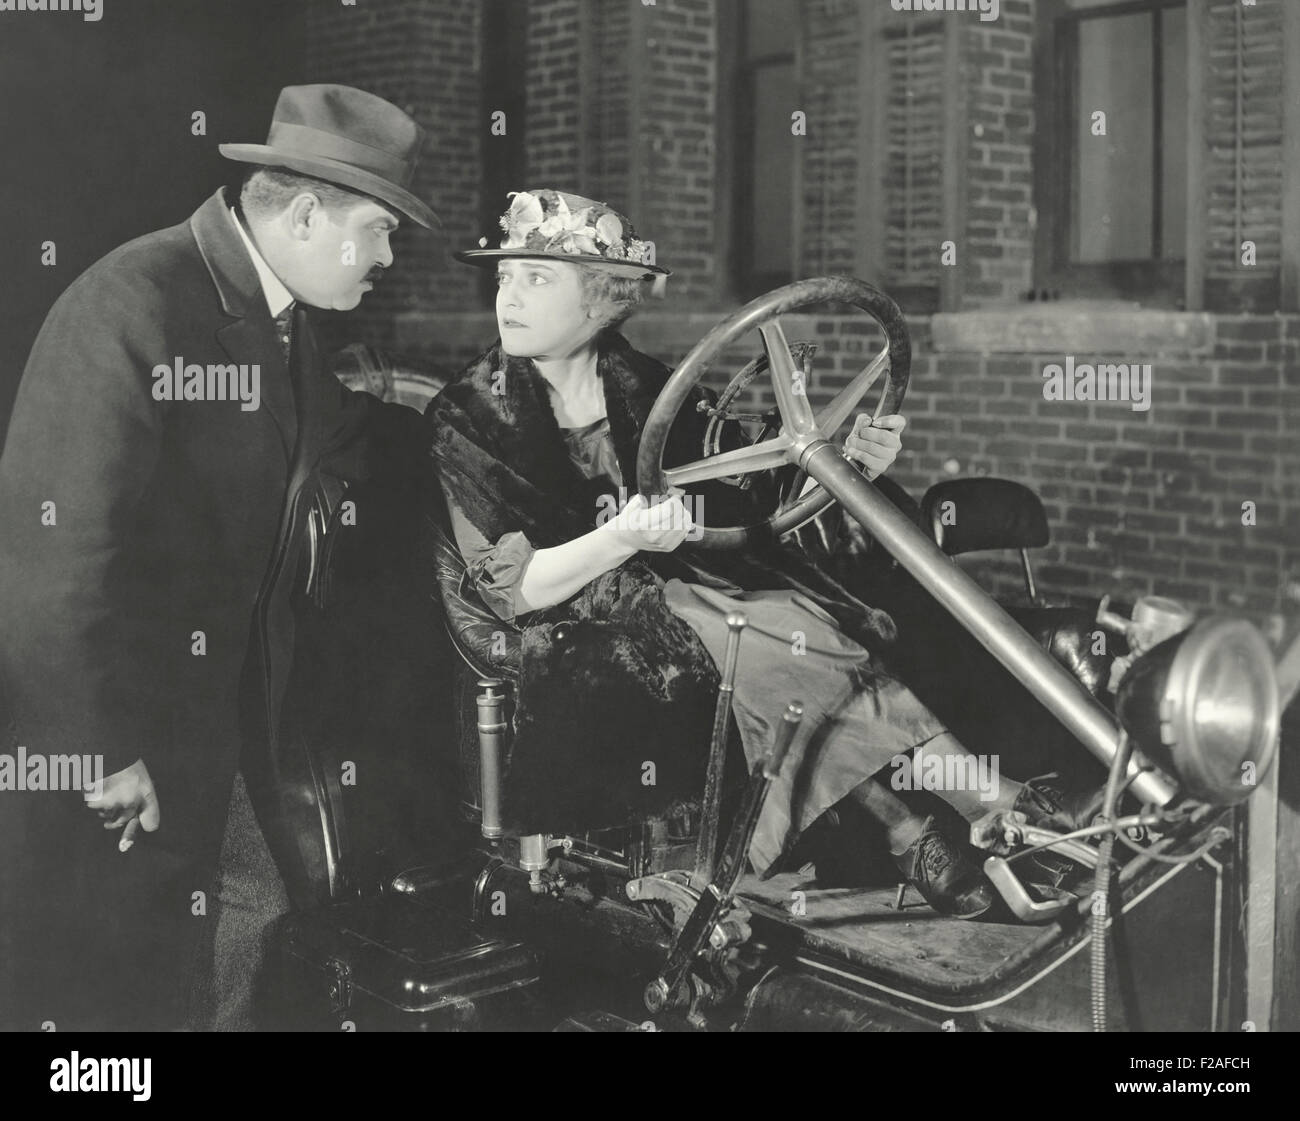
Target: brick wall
(579, 134)
(610, 140)
(364, 45)
(1137, 501)
(997, 253)
(677, 138)
(552, 93)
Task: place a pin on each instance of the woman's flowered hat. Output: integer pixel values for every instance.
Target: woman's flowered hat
(550, 223)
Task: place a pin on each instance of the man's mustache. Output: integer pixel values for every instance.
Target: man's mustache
(375, 275)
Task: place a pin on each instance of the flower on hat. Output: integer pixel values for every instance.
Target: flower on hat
(542, 222)
(524, 216)
(568, 232)
(609, 229)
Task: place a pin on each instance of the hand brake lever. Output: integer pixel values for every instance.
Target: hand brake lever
(667, 988)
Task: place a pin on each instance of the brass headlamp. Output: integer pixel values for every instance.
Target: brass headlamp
(1204, 706)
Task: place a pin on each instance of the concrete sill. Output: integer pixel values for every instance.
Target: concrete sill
(1072, 327)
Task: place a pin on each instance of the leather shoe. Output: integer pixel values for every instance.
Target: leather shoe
(1046, 805)
(947, 878)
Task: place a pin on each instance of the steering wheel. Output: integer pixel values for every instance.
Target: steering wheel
(800, 429)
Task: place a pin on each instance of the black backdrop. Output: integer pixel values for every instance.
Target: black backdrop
(95, 133)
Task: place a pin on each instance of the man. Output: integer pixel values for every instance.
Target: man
(153, 490)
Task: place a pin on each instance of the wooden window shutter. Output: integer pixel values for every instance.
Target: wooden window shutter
(913, 134)
(1243, 153)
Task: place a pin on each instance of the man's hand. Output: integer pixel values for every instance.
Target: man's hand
(128, 799)
(875, 445)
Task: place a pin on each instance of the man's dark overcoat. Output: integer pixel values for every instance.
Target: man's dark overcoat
(130, 525)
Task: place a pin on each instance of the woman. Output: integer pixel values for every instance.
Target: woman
(621, 633)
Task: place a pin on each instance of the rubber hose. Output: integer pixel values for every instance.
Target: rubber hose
(1101, 884)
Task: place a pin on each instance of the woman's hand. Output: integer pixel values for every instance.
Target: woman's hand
(553, 575)
(653, 529)
(875, 445)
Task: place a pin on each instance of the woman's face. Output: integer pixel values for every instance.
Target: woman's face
(539, 308)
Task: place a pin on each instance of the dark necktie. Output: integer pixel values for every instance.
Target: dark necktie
(299, 357)
(284, 330)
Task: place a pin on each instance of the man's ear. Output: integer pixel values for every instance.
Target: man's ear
(302, 210)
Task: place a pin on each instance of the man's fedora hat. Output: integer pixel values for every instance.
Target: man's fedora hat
(550, 223)
(347, 137)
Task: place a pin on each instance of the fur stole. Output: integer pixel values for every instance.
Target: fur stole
(616, 693)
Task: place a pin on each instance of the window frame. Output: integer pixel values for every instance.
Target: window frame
(946, 292)
(1152, 281)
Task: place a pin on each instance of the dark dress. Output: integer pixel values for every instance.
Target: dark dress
(791, 650)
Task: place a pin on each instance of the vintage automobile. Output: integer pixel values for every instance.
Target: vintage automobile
(430, 916)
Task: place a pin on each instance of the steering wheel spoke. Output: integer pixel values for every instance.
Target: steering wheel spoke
(789, 368)
(756, 457)
(846, 400)
(789, 382)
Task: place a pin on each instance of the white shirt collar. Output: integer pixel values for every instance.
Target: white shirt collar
(278, 297)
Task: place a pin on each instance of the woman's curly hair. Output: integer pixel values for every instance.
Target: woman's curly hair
(617, 295)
